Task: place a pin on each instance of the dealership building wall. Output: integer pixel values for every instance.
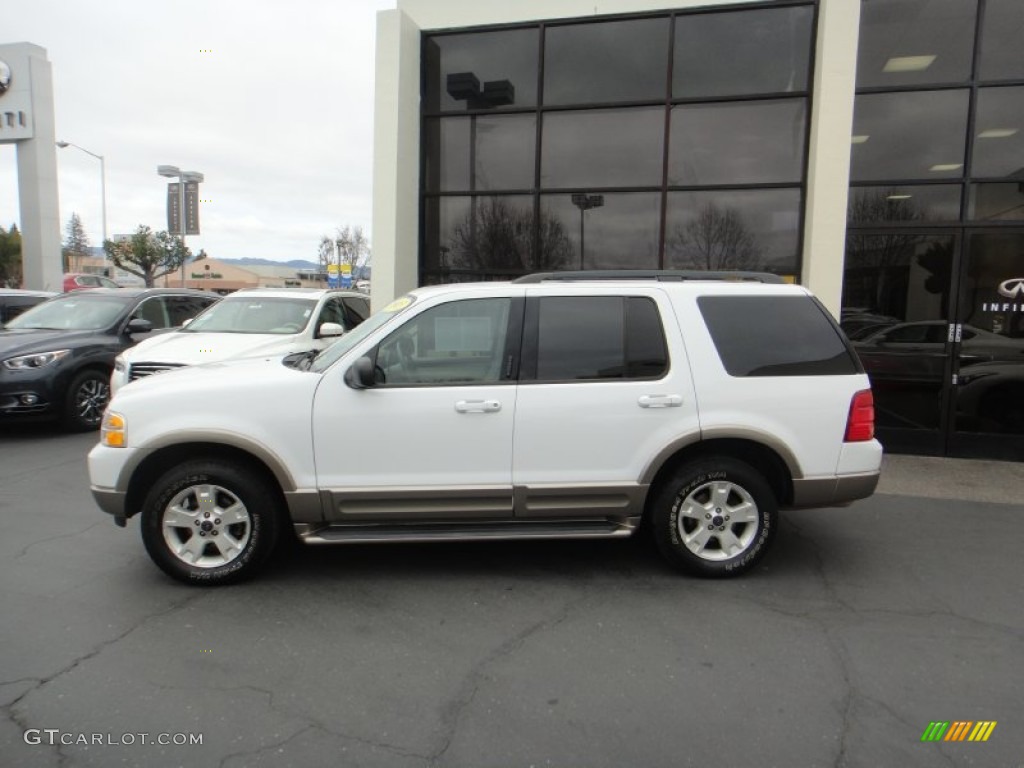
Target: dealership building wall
(871, 150)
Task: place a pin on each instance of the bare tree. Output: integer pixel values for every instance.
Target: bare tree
(352, 245)
(148, 255)
(325, 253)
(716, 238)
(495, 236)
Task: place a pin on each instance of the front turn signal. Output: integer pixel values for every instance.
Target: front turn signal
(112, 431)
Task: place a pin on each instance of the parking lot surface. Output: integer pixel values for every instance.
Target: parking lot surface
(862, 626)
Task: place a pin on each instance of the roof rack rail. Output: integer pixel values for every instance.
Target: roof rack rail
(664, 275)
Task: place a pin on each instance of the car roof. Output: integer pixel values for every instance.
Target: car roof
(287, 293)
(142, 292)
(23, 292)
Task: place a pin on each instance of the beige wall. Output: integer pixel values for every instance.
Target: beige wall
(396, 126)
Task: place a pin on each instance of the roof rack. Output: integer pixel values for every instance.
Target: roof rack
(664, 275)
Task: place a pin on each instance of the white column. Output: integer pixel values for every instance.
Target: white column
(828, 171)
(396, 157)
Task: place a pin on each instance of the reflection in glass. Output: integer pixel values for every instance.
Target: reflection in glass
(896, 310)
(734, 229)
(492, 236)
(1001, 35)
(499, 147)
(509, 54)
(602, 148)
(914, 42)
(909, 135)
(622, 233)
(996, 202)
(606, 61)
(904, 204)
(999, 133)
(990, 391)
(745, 52)
(737, 142)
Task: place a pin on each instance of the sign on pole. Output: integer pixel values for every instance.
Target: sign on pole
(191, 207)
(346, 275)
(173, 208)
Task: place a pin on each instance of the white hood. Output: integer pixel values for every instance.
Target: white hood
(196, 348)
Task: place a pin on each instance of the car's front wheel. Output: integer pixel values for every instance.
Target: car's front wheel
(714, 517)
(86, 399)
(210, 522)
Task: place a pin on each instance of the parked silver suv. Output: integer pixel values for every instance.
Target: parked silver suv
(566, 405)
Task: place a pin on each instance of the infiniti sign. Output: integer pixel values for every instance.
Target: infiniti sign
(5, 77)
(1012, 288)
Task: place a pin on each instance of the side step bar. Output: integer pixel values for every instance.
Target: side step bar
(354, 533)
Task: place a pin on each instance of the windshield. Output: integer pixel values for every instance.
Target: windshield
(327, 358)
(254, 314)
(76, 312)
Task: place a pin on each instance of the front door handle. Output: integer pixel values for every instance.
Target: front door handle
(477, 406)
(660, 401)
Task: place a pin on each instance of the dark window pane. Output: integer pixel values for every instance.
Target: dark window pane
(1001, 36)
(755, 229)
(998, 134)
(621, 233)
(602, 148)
(996, 202)
(907, 204)
(746, 331)
(489, 56)
(729, 54)
(606, 62)
(911, 42)
(909, 135)
(184, 308)
(646, 351)
(580, 337)
(502, 153)
(491, 237)
(737, 143)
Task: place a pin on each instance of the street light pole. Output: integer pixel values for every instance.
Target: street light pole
(103, 181)
(585, 202)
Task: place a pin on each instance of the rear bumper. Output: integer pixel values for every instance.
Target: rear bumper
(834, 491)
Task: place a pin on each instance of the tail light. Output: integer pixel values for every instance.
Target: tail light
(860, 424)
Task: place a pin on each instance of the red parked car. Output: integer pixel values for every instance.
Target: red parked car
(77, 282)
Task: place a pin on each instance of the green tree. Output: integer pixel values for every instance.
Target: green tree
(10, 256)
(147, 254)
(76, 244)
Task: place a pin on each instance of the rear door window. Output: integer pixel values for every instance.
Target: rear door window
(776, 336)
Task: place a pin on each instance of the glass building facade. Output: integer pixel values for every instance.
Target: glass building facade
(672, 140)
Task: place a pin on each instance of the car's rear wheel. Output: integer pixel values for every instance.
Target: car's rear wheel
(86, 399)
(714, 517)
(210, 522)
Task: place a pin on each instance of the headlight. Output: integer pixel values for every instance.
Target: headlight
(119, 364)
(112, 433)
(31, 362)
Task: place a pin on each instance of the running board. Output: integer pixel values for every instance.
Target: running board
(362, 534)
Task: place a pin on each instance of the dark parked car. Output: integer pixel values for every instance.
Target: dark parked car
(56, 358)
(14, 301)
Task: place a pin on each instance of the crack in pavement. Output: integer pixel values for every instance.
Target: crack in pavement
(451, 714)
(10, 710)
(312, 723)
(35, 472)
(30, 545)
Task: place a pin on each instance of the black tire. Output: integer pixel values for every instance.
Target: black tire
(700, 534)
(215, 551)
(86, 399)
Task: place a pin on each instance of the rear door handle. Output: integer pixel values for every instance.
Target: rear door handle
(477, 406)
(660, 401)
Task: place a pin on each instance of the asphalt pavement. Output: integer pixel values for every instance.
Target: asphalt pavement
(862, 627)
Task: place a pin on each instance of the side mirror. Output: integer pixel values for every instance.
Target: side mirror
(360, 375)
(328, 330)
(138, 325)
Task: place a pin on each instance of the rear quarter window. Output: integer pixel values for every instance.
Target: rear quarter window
(776, 336)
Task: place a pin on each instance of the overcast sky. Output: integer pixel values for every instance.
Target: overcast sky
(278, 115)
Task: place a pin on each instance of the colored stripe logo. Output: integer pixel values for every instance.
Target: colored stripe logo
(958, 730)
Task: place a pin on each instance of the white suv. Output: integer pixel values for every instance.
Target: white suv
(562, 405)
(256, 321)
